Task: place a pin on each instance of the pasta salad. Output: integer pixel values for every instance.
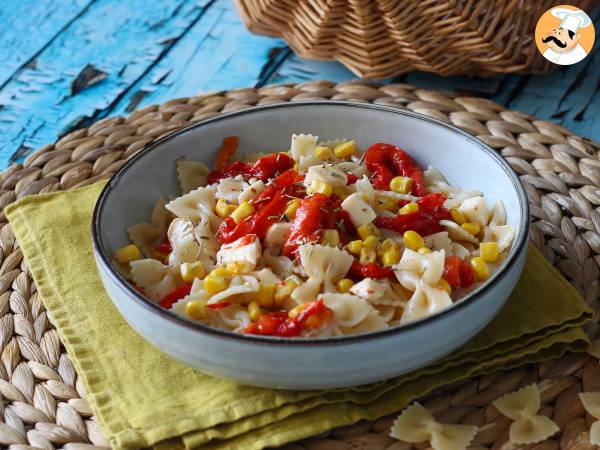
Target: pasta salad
(321, 240)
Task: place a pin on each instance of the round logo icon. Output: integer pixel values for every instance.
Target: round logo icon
(564, 35)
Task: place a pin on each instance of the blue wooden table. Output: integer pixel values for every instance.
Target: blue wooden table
(67, 63)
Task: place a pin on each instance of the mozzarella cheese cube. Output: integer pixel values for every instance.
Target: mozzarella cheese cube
(359, 210)
(246, 250)
(277, 234)
(252, 191)
(302, 145)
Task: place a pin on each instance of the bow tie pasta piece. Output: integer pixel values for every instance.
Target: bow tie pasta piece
(242, 284)
(230, 189)
(425, 301)
(475, 210)
(352, 167)
(522, 406)
(377, 292)
(185, 247)
(350, 312)
(503, 235)
(457, 232)
(155, 278)
(365, 188)
(191, 174)
(148, 235)
(498, 214)
(416, 425)
(327, 174)
(246, 250)
(206, 238)
(441, 241)
(196, 204)
(412, 265)
(591, 403)
(323, 265)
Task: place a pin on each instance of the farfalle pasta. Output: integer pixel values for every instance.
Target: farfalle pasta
(522, 407)
(591, 403)
(417, 425)
(321, 240)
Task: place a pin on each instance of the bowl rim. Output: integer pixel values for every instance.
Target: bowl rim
(104, 260)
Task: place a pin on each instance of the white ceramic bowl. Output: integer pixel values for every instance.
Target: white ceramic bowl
(323, 362)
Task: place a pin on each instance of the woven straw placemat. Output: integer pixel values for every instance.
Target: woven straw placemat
(43, 403)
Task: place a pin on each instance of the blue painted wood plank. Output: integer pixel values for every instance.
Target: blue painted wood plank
(122, 39)
(28, 26)
(217, 53)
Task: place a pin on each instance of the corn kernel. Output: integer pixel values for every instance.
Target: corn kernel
(345, 150)
(489, 251)
(290, 209)
(126, 254)
(318, 186)
(370, 242)
(323, 153)
(424, 251)
(215, 284)
(367, 256)
(219, 272)
(242, 212)
(389, 204)
(471, 228)
(224, 208)
(284, 290)
(457, 216)
(480, 267)
(331, 238)
(340, 192)
(354, 247)
(266, 295)
(366, 230)
(195, 309)
(409, 208)
(443, 284)
(254, 311)
(297, 310)
(189, 271)
(390, 258)
(344, 285)
(237, 268)
(413, 240)
(401, 185)
(296, 167)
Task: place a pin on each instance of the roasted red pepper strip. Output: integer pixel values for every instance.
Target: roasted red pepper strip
(425, 221)
(307, 224)
(359, 271)
(278, 323)
(269, 206)
(351, 178)
(165, 247)
(176, 294)
(381, 158)
(263, 169)
(457, 272)
(229, 147)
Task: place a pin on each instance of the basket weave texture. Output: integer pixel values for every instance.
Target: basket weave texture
(43, 404)
(383, 38)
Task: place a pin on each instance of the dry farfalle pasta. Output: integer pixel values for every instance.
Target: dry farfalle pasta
(591, 403)
(522, 407)
(416, 424)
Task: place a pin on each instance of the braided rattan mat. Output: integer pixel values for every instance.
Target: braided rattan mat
(43, 403)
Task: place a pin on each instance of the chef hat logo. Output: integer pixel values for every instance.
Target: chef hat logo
(565, 35)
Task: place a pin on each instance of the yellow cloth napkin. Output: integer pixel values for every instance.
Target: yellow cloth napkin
(143, 398)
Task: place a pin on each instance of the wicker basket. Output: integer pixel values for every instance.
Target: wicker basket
(382, 38)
